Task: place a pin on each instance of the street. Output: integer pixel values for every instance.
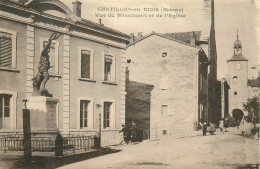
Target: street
(230, 150)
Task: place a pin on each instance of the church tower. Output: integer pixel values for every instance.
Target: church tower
(237, 78)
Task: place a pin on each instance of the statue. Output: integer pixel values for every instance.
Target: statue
(42, 76)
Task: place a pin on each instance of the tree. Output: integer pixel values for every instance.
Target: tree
(252, 106)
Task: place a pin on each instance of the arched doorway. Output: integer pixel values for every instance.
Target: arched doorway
(237, 114)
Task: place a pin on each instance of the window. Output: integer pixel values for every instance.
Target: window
(164, 132)
(235, 93)
(108, 65)
(85, 63)
(164, 54)
(84, 113)
(85, 57)
(53, 55)
(109, 68)
(164, 110)
(107, 114)
(235, 80)
(7, 48)
(5, 111)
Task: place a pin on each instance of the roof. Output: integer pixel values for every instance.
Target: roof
(254, 82)
(238, 58)
(163, 36)
(31, 7)
(184, 36)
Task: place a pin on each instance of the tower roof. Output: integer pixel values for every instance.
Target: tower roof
(237, 43)
(238, 56)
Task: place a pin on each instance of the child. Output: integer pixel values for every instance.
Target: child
(221, 126)
(226, 124)
(212, 128)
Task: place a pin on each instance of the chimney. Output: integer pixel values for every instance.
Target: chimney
(193, 39)
(77, 8)
(132, 37)
(139, 35)
(100, 22)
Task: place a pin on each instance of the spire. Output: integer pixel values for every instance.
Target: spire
(238, 56)
(237, 46)
(237, 34)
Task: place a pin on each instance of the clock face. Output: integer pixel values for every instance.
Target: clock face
(237, 66)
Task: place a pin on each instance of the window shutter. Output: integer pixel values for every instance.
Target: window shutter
(81, 114)
(5, 50)
(108, 59)
(85, 63)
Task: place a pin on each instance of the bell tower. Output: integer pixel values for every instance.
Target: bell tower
(237, 47)
(238, 77)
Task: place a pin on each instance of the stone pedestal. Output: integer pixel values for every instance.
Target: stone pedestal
(44, 115)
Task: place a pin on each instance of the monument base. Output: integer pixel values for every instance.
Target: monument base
(45, 133)
(43, 116)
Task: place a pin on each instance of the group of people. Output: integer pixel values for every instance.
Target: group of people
(212, 128)
(129, 134)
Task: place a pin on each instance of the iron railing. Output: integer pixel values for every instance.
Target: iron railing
(73, 143)
(8, 143)
(43, 144)
(46, 144)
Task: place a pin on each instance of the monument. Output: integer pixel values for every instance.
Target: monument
(43, 107)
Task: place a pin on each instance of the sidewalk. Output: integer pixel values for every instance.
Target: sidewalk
(179, 135)
(14, 160)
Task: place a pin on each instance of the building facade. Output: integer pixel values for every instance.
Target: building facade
(254, 87)
(222, 99)
(237, 79)
(87, 74)
(170, 77)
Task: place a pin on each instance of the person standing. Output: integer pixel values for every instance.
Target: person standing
(238, 124)
(133, 132)
(221, 126)
(204, 128)
(226, 124)
(125, 134)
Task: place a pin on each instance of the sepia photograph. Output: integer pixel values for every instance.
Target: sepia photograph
(129, 84)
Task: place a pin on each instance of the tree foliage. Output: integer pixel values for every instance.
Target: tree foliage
(252, 106)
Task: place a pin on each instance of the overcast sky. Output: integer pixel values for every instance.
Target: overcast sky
(230, 15)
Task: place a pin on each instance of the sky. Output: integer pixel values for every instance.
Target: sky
(230, 16)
